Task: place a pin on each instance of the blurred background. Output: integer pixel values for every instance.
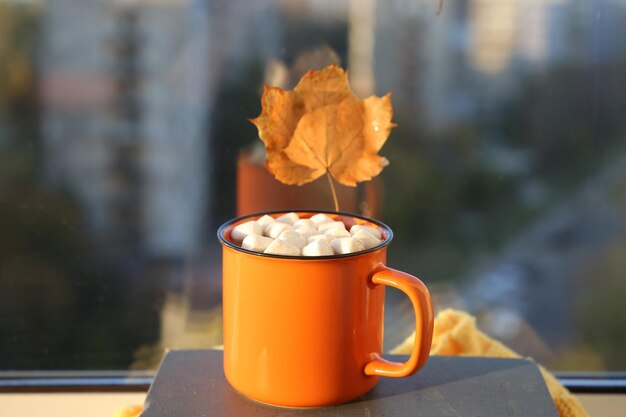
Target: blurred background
(124, 145)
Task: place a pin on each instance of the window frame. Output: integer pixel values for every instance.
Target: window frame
(140, 381)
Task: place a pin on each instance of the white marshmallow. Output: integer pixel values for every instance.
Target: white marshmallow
(337, 233)
(265, 220)
(304, 223)
(327, 238)
(346, 245)
(256, 243)
(307, 233)
(320, 218)
(318, 247)
(289, 218)
(305, 227)
(274, 229)
(371, 230)
(266, 227)
(242, 230)
(366, 237)
(293, 237)
(281, 247)
(330, 225)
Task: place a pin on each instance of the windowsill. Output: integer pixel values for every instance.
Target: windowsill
(108, 404)
(68, 404)
(69, 394)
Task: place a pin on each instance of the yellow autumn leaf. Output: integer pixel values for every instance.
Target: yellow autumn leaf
(321, 127)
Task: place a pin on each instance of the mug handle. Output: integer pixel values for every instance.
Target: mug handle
(423, 307)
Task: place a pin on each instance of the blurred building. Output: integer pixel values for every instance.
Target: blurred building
(126, 104)
(76, 90)
(446, 69)
(126, 109)
(420, 57)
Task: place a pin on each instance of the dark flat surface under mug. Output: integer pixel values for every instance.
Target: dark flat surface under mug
(191, 383)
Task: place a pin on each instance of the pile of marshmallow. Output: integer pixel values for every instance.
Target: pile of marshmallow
(290, 235)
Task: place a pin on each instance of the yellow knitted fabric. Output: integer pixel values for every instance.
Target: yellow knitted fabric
(456, 334)
(129, 411)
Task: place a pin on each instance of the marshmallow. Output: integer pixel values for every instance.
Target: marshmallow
(320, 218)
(305, 227)
(266, 227)
(330, 225)
(293, 237)
(274, 229)
(327, 238)
(371, 230)
(366, 237)
(346, 245)
(318, 247)
(307, 233)
(281, 247)
(337, 233)
(289, 218)
(265, 220)
(305, 224)
(256, 243)
(242, 230)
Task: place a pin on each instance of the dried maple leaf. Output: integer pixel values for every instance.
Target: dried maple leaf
(321, 127)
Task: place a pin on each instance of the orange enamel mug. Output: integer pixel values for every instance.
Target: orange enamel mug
(308, 331)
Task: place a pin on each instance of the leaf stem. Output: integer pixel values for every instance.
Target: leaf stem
(332, 190)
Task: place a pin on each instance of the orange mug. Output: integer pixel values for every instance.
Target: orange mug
(308, 331)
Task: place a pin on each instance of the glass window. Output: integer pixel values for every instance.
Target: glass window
(124, 145)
